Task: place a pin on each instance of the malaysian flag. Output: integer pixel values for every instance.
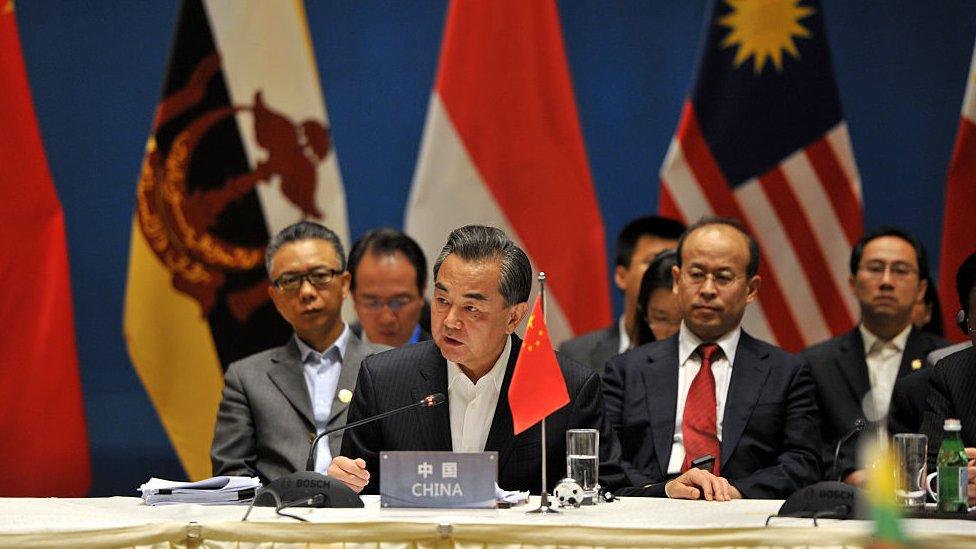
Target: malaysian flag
(762, 138)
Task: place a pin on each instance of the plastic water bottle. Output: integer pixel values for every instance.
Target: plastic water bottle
(953, 474)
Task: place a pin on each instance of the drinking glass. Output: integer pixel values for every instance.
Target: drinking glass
(582, 460)
(911, 450)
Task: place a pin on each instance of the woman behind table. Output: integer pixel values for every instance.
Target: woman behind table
(657, 315)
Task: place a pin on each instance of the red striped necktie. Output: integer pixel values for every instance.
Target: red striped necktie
(698, 426)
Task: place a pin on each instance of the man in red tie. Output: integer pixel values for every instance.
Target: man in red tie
(712, 412)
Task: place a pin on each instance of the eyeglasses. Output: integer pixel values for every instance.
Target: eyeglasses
(375, 304)
(319, 278)
(721, 279)
(876, 269)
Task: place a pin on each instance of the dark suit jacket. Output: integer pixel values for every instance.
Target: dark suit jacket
(771, 428)
(841, 374)
(265, 422)
(908, 402)
(594, 348)
(952, 394)
(402, 376)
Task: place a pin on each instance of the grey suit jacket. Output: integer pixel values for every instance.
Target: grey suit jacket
(841, 374)
(265, 421)
(594, 348)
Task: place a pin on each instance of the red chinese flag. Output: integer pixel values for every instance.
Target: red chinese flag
(538, 388)
(42, 426)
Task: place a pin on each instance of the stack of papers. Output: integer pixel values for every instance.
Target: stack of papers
(214, 490)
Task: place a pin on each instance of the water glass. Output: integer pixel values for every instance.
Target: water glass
(582, 459)
(912, 451)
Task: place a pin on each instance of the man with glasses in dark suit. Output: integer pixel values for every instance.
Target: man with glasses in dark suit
(276, 401)
(889, 274)
(711, 412)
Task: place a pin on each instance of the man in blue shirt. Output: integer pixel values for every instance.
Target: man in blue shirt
(389, 272)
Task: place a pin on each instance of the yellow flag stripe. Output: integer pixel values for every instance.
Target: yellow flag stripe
(172, 349)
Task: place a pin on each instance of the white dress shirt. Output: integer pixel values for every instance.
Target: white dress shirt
(689, 363)
(473, 404)
(883, 359)
(322, 379)
(624, 336)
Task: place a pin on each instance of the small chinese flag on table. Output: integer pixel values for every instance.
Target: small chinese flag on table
(538, 388)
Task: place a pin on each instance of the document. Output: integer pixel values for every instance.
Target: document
(214, 490)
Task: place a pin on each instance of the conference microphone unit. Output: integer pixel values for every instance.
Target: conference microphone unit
(301, 488)
(829, 498)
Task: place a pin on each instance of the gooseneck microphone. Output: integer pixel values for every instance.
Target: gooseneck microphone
(300, 489)
(428, 401)
(858, 427)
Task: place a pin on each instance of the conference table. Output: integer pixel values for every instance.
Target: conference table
(628, 522)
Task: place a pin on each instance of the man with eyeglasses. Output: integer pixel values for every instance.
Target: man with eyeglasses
(889, 274)
(711, 412)
(389, 272)
(275, 402)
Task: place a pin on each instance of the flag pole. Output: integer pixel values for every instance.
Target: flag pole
(545, 507)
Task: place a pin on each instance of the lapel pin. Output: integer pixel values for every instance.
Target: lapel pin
(345, 395)
(917, 364)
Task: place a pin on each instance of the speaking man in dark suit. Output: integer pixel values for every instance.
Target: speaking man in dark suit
(712, 389)
(889, 273)
(276, 401)
(639, 241)
(952, 386)
(481, 287)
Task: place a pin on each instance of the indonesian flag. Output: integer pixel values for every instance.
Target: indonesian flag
(42, 426)
(502, 146)
(762, 138)
(538, 387)
(958, 237)
(240, 148)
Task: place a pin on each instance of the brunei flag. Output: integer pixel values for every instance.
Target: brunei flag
(240, 148)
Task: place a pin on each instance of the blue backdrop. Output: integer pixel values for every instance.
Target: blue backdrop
(96, 70)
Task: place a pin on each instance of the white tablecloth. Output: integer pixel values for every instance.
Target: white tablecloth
(630, 522)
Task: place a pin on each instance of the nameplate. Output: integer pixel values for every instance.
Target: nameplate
(438, 479)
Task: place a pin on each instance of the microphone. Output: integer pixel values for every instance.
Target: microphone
(428, 401)
(858, 427)
(300, 488)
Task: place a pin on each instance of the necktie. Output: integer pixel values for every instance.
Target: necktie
(698, 426)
